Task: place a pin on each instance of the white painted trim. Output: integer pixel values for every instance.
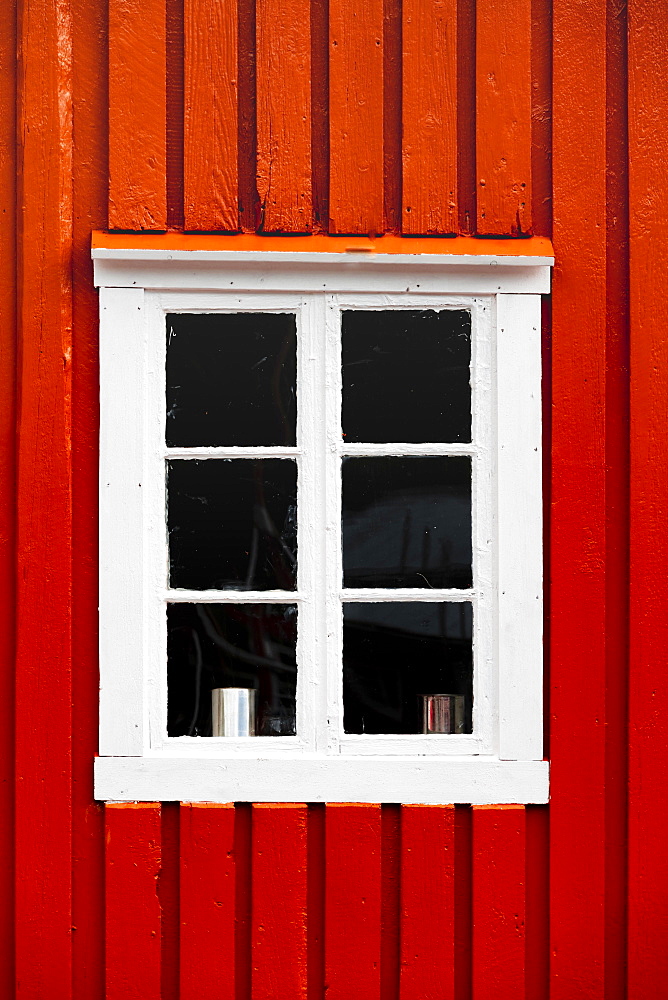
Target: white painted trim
(506, 529)
(122, 487)
(322, 779)
(520, 536)
(321, 272)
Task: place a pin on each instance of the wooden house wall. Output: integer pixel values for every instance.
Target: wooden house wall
(433, 117)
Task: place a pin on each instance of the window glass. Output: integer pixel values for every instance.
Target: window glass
(231, 380)
(406, 375)
(232, 524)
(407, 522)
(243, 647)
(397, 656)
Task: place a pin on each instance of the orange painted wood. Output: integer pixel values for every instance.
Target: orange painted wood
(137, 115)
(356, 116)
(533, 247)
(43, 748)
(284, 115)
(279, 863)
(207, 901)
(133, 931)
(352, 902)
(578, 539)
(648, 703)
(503, 116)
(429, 116)
(427, 902)
(8, 360)
(499, 860)
(210, 171)
(90, 201)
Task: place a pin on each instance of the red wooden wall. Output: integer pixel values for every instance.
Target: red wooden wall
(427, 117)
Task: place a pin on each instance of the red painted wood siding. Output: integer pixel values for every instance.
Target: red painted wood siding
(256, 116)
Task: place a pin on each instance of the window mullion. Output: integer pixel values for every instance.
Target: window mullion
(309, 527)
(333, 574)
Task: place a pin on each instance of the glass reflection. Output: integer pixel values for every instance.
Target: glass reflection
(407, 522)
(406, 375)
(231, 645)
(232, 524)
(231, 380)
(395, 652)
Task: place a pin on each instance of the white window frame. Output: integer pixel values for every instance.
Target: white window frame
(502, 760)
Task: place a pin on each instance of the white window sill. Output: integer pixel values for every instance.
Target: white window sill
(428, 781)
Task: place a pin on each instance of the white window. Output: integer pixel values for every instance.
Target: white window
(320, 509)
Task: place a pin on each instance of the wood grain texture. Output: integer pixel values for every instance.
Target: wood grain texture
(210, 169)
(43, 829)
(279, 941)
(8, 361)
(578, 505)
(133, 936)
(429, 116)
(427, 888)
(356, 116)
(499, 879)
(352, 902)
(137, 115)
(648, 730)
(207, 902)
(284, 115)
(90, 198)
(503, 116)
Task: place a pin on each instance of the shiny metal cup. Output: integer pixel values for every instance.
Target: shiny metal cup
(233, 712)
(442, 713)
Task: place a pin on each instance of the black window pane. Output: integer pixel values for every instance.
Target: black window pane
(231, 380)
(407, 522)
(239, 645)
(232, 524)
(395, 654)
(406, 375)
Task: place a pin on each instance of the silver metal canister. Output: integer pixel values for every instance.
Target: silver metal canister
(233, 712)
(442, 713)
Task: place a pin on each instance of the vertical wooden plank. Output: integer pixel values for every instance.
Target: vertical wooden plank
(578, 506)
(617, 452)
(90, 198)
(537, 903)
(503, 116)
(356, 116)
(352, 902)
(427, 902)
(466, 119)
(43, 746)
(284, 115)
(429, 117)
(541, 116)
(132, 903)
(648, 727)
(279, 902)
(498, 902)
(463, 902)
(8, 165)
(169, 890)
(137, 115)
(207, 901)
(316, 901)
(210, 171)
